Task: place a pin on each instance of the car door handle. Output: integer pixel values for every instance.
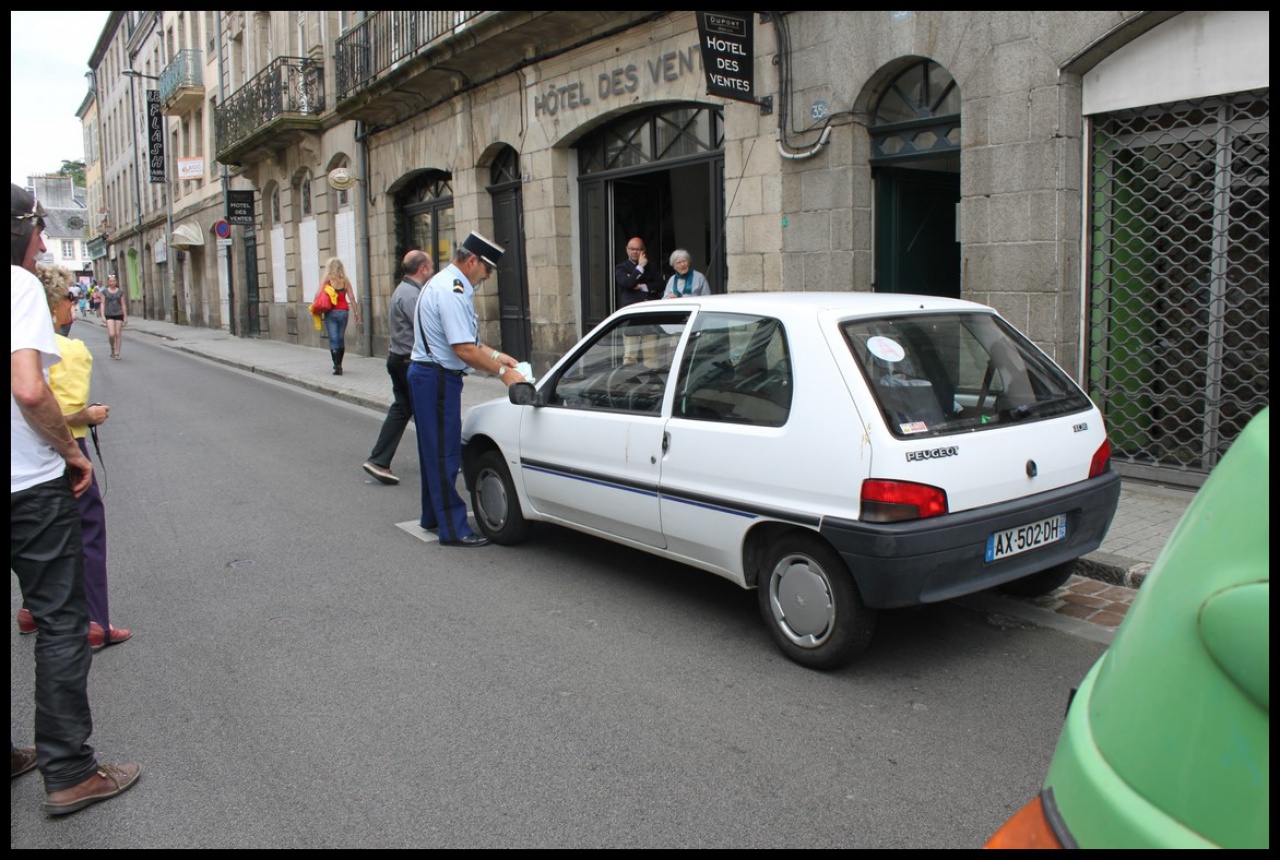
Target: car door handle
(666, 441)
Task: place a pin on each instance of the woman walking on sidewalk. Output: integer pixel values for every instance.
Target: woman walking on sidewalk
(338, 289)
(115, 313)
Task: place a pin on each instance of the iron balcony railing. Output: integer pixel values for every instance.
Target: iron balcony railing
(288, 87)
(383, 39)
(186, 70)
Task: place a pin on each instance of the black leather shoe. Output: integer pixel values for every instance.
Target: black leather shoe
(471, 540)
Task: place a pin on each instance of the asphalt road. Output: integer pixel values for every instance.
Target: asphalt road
(306, 673)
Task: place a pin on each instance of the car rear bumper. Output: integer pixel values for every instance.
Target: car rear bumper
(925, 561)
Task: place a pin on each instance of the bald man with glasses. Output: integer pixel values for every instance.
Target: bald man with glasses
(638, 279)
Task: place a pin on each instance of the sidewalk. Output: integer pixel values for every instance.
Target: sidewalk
(1145, 518)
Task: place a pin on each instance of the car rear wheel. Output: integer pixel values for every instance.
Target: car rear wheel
(495, 502)
(811, 603)
(1041, 583)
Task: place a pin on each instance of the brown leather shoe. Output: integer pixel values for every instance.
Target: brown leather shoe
(26, 624)
(98, 640)
(21, 760)
(109, 781)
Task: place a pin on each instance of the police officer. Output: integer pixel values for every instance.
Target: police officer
(446, 346)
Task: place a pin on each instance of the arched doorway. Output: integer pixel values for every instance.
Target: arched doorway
(657, 174)
(916, 165)
(508, 231)
(424, 218)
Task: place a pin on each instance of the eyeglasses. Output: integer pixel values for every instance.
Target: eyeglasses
(488, 270)
(37, 213)
(634, 248)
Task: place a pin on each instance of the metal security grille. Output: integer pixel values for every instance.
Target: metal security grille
(1179, 273)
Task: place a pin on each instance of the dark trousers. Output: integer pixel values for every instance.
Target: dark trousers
(46, 553)
(437, 411)
(398, 414)
(93, 529)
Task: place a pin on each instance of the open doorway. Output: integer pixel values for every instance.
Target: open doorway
(657, 174)
(916, 164)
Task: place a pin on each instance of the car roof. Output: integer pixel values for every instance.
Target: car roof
(779, 303)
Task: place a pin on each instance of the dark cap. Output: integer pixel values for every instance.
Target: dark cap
(484, 249)
(25, 212)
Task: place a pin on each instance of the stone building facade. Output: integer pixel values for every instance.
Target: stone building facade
(1100, 177)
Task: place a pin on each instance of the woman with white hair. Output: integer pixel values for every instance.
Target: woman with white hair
(686, 281)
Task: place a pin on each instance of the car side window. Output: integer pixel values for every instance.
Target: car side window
(624, 368)
(736, 369)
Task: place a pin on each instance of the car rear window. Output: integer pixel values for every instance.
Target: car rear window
(933, 374)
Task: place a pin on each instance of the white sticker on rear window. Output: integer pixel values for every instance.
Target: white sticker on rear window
(913, 427)
(885, 349)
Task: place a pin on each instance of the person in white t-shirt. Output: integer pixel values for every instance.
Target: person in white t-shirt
(47, 471)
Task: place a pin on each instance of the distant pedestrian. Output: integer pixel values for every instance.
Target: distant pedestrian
(47, 471)
(115, 312)
(418, 268)
(446, 344)
(342, 304)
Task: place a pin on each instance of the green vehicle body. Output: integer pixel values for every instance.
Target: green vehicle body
(1167, 742)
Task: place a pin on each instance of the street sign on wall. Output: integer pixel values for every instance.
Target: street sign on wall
(190, 168)
(240, 208)
(727, 40)
(155, 137)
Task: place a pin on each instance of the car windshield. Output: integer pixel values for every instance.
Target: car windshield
(952, 372)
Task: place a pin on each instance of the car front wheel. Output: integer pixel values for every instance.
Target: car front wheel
(811, 603)
(495, 503)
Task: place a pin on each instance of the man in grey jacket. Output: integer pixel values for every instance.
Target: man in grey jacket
(418, 268)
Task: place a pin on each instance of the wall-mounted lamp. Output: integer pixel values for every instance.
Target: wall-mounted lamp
(342, 179)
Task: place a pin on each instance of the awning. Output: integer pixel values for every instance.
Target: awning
(187, 235)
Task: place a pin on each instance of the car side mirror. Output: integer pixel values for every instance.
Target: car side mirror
(523, 394)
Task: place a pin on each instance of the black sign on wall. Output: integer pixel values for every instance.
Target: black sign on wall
(240, 208)
(155, 136)
(728, 54)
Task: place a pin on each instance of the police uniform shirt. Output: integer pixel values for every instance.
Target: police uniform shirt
(446, 316)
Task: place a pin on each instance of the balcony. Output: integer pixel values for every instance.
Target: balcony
(382, 40)
(395, 64)
(274, 110)
(182, 83)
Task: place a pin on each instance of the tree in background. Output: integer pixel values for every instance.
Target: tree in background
(74, 169)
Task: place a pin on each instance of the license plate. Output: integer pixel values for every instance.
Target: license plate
(1007, 542)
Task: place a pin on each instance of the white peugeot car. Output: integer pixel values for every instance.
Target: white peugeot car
(839, 452)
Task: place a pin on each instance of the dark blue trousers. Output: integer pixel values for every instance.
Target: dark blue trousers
(45, 552)
(437, 412)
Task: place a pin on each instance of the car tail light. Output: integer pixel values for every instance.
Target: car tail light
(1028, 828)
(894, 501)
(1101, 461)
